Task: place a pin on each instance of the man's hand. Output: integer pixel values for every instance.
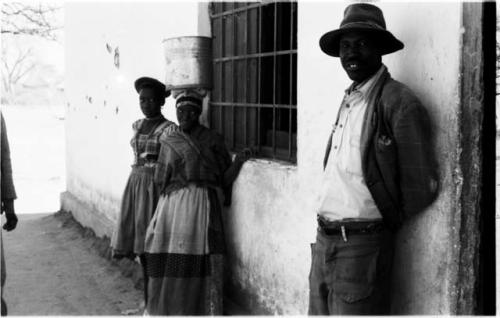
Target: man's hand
(10, 215)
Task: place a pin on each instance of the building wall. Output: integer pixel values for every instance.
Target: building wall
(101, 100)
(272, 220)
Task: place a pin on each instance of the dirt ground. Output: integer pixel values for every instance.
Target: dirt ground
(56, 267)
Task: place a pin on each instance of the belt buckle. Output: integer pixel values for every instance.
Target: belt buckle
(344, 235)
(326, 230)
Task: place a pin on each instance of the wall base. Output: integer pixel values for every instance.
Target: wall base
(87, 216)
(241, 302)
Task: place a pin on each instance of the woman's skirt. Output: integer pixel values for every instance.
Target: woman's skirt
(137, 208)
(184, 254)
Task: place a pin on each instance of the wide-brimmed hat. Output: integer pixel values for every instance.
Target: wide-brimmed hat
(152, 82)
(361, 17)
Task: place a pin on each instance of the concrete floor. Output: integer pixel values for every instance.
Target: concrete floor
(53, 268)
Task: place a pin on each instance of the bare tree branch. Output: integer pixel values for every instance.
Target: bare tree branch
(18, 62)
(21, 67)
(16, 67)
(31, 19)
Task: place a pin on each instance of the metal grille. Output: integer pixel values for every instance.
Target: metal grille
(254, 100)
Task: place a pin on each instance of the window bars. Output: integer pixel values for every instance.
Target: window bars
(254, 99)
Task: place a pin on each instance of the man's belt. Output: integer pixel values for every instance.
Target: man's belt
(349, 227)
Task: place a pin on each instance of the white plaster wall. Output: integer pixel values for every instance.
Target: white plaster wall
(98, 132)
(272, 219)
(427, 253)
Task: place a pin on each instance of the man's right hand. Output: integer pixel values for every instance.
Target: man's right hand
(10, 215)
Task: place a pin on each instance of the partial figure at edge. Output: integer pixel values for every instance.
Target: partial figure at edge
(8, 195)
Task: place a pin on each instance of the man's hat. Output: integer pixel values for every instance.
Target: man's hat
(151, 82)
(361, 17)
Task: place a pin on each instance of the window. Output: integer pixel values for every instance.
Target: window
(254, 98)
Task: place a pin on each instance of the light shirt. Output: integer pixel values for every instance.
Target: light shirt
(344, 194)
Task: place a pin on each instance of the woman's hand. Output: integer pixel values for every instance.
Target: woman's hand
(243, 155)
(233, 171)
(148, 156)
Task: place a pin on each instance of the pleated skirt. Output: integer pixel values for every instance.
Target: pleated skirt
(184, 253)
(137, 208)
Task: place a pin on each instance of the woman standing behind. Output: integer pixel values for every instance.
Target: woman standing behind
(184, 242)
(141, 196)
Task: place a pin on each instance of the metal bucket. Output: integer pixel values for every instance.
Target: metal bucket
(188, 62)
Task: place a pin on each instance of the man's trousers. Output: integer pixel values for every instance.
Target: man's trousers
(351, 272)
(3, 276)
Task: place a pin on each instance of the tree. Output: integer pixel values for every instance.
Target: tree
(38, 19)
(25, 25)
(17, 63)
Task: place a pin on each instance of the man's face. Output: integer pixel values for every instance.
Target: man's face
(359, 55)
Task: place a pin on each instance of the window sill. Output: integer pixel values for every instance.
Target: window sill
(271, 163)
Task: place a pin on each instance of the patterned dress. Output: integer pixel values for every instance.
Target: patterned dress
(140, 196)
(185, 241)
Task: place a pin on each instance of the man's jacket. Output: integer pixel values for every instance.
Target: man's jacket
(397, 156)
(7, 184)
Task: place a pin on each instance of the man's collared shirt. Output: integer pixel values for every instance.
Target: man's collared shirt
(344, 194)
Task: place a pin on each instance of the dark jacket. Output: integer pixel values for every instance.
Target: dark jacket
(397, 156)
(8, 190)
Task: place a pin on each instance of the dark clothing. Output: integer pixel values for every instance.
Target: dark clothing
(7, 187)
(8, 192)
(351, 277)
(396, 152)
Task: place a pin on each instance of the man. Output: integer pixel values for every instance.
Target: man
(8, 195)
(378, 171)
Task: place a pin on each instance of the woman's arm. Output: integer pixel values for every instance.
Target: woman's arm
(234, 169)
(232, 172)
